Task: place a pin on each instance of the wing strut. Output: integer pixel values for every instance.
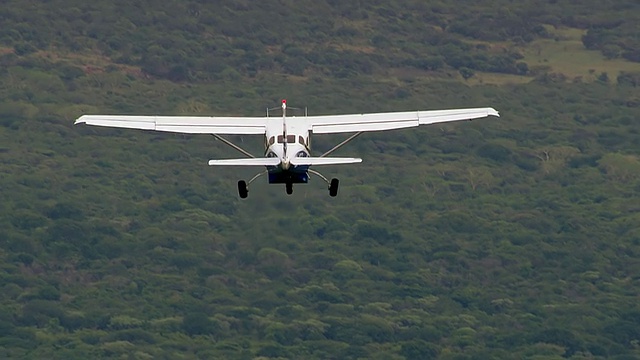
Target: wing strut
(233, 145)
(341, 144)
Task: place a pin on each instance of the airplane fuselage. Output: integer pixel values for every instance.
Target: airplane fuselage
(286, 138)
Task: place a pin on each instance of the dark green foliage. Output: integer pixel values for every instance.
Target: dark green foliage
(131, 335)
(418, 349)
(23, 48)
(559, 337)
(64, 211)
(466, 73)
(511, 237)
(27, 220)
(26, 259)
(48, 293)
(273, 351)
(494, 152)
(198, 324)
(366, 232)
(629, 79)
(611, 39)
(39, 312)
(19, 339)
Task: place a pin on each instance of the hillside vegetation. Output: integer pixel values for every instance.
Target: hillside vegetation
(504, 238)
(192, 41)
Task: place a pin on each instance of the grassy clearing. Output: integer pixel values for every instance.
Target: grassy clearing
(565, 54)
(5, 50)
(410, 75)
(481, 78)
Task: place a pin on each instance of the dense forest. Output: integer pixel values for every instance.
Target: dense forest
(503, 238)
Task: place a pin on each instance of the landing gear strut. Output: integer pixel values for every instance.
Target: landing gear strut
(289, 187)
(333, 184)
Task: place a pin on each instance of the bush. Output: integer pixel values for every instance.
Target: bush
(131, 335)
(23, 48)
(629, 79)
(494, 152)
(198, 323)
(419, 349)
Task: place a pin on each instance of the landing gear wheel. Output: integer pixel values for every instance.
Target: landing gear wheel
(242, 189)
(289, 187)
(333, 188)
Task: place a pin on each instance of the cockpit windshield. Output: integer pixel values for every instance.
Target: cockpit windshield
(291, 139)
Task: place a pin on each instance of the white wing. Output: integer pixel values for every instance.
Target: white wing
(392, 120)
(181, 124)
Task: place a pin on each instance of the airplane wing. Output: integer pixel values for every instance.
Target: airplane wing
(181, 124)
(393, 120)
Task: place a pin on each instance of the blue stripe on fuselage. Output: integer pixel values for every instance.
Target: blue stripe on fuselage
(295, 175)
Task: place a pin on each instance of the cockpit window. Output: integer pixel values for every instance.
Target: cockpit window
(301, 140)
(291, 139)
(272, 140)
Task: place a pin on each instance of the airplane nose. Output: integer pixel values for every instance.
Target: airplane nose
(286, 164)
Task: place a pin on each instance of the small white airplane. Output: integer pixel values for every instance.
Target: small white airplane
(287, 155)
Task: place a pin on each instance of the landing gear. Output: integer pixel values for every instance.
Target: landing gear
(333, 184)
(333, 187)
(243, 186)
(242, 189)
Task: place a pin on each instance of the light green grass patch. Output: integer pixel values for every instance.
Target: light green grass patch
(567, 55)
(482, 78)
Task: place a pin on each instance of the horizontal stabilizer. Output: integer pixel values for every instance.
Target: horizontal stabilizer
(298, 161)
(246, 162)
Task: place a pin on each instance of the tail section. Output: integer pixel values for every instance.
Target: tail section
(297, 161)
(246, 162)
